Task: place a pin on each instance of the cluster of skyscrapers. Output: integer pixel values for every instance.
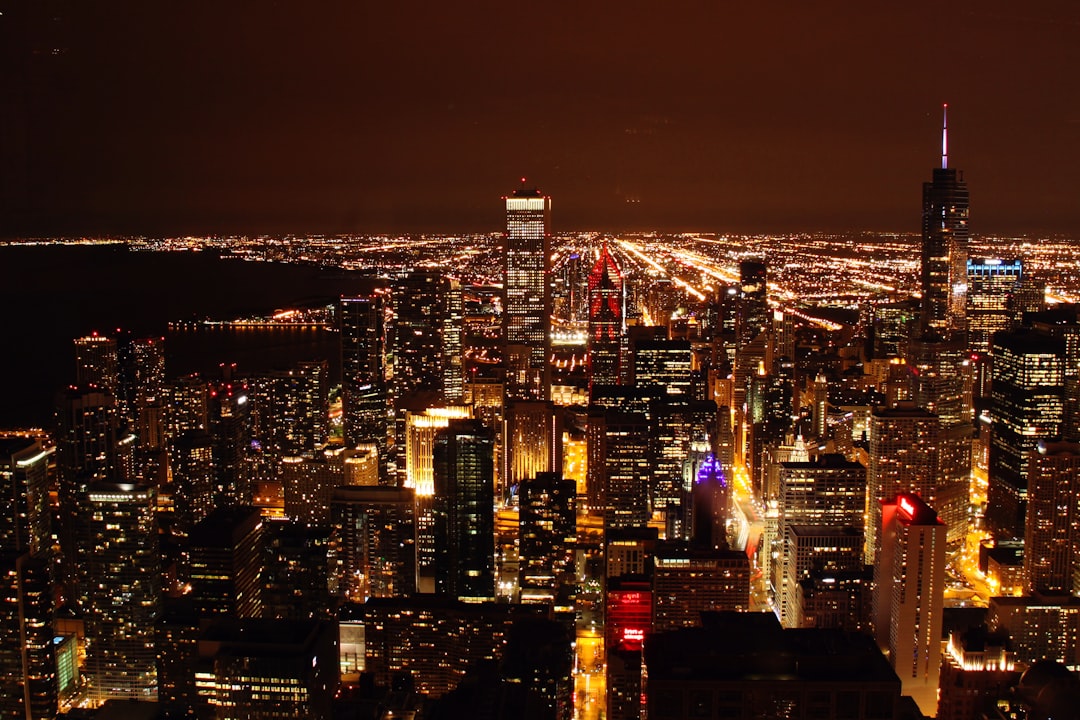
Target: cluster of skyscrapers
(752, 516)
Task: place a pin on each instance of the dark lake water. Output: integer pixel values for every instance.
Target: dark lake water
(51, 294)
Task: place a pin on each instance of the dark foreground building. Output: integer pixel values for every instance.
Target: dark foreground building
(742, 665)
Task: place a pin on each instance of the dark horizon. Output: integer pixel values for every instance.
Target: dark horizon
(199, 118)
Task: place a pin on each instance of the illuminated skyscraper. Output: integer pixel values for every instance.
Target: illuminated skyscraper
(427, 332)
(25, 515)
(548, 537)
(464, 468)
(293, 409)
(96, 362)
(373, 542)
(605, 321)
(364, 392)
(990, 285)
(119, 587)
(619, 449)
(665, 364)
(226, 551)
(28, 683)
(904, 449)
(1027, 405)
(1052, 523)
(532, 441)
(909, 594)
(944, 246)
(753, 315)
(527, 313)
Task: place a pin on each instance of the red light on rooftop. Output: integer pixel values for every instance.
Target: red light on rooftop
(906, 507)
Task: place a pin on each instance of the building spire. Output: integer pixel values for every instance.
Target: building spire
(945, 135)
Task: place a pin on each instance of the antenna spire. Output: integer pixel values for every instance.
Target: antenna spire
(945, 135)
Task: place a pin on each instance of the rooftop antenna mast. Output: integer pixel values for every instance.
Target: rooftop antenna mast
(945, 136)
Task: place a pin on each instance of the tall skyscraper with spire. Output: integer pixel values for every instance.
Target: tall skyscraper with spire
(526, 280)
(605, 320)
(944, 245)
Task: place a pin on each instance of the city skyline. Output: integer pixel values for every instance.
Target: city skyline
(332, 119)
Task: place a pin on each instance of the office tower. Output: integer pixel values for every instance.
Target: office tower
(292, 410)
(753, 308)
(909, 594)
(1029, 296)
(1064, 322)
(744, 665)
(1052, 523)
(308, 484)
(990, 283)
(257, 668)
(892, 328)
(547, 533)
(815, 548)
(677, 423)
(193, 479)
(710, 506)
(1027, 405)
(532, 442)
(606, 311)
(830, 490)
(420, 431)
(176, 637)
(364, 392)
(464, 502)
(903, 458)
(941, 384)
(86, 431)
(977, 667)
(96, 363)
(664, 364)
(619, 450)
(689, 580)
(435, 640)
(119, 589)
(944, 247)
(296, 571)
(629, 551)
(373, 543)
(226, 563)
(427, 331)
(527, 284)
(28, 684)
(25, 515)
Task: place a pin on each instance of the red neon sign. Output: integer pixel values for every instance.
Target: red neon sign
(906, 507)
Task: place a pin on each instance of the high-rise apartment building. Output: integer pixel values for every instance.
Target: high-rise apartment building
(909, 594)
(941, 384)
(527, 284)
(944, 247)
(1052, 523)
(364, 391)
(547, 532)
(119, 589)
(904, 446)
(373, 543)
(618, 447)
(753, 316)
(28, 682)
(464, 502)
(293, 409)
(25, 514)
(1027, 405)
(810, 549)
(96, 362)
(606, 317)
(664, 364)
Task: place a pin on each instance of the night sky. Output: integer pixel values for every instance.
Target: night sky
(361, 116)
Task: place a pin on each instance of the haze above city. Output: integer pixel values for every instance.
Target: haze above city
(125, 117)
